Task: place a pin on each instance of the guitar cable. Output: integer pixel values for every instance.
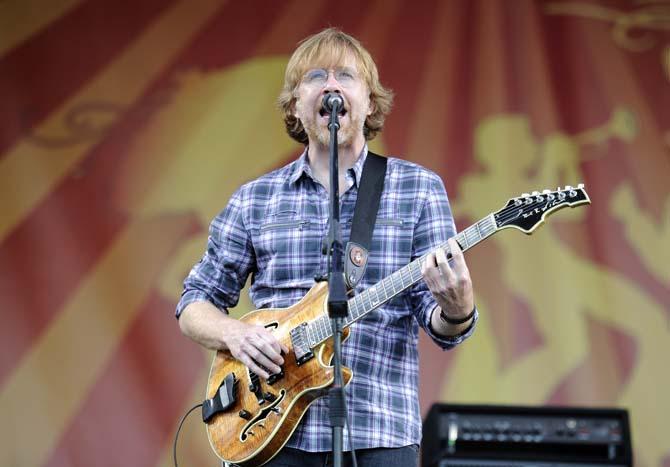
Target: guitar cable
(176, 436)
(348, 421)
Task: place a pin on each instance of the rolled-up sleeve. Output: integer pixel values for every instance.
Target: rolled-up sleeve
(223, 270)
(434, 226)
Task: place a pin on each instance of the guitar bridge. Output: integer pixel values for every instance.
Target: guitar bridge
(301, 345)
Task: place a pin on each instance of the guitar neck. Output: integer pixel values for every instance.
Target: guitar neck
(398, 282)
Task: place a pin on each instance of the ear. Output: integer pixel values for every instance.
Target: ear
(371, 106)
(294, 106)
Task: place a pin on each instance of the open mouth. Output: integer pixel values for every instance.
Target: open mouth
(324, 113)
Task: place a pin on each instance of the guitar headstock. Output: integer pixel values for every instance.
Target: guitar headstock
(528, 211)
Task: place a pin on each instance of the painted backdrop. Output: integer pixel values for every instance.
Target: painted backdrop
(126, 125)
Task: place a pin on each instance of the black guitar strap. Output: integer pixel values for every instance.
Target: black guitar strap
(365, 216)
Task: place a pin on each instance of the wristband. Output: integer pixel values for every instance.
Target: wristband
(444, 317)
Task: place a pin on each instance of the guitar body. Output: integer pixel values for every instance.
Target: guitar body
(254, 440)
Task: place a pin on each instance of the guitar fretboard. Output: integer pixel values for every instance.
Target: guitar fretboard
(319, 329)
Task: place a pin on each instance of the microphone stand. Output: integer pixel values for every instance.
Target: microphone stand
(337, 297)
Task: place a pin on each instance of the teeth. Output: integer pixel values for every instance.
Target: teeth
(324, 113)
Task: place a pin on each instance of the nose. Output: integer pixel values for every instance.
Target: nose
(332, 84)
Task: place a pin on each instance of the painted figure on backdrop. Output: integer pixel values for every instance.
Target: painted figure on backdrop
(511, 156)
(273, 228)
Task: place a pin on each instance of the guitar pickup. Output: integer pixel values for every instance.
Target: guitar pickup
(301, 346)
(222, 400)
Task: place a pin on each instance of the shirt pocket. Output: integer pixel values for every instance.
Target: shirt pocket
(288, 249)
(387, 221)
(287, 224)
(391, 246)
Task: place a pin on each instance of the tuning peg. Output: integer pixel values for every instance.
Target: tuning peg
(535, 193)
(525, 195)
(568, 188)
(580, 186)
(546, 192)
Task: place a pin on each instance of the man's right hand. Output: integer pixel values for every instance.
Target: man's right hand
(256, 347)
(253, 345)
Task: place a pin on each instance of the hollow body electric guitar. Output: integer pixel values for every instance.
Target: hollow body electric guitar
(249, 420)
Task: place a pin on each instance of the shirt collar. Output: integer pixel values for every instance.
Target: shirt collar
(302, 167)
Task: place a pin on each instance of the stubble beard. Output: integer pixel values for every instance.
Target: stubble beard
(345, 136)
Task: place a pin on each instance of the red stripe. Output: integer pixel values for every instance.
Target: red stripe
(579, 98)
(129, 415)
(454, 157)
(46, 257)
(231, 36)
(399, 66)
(40, 74)
(653, 84)
(515, 60)
(342, 18)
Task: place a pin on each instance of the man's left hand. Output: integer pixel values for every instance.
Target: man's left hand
(450, 284)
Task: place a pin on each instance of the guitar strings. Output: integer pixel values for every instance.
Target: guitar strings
(502, 217)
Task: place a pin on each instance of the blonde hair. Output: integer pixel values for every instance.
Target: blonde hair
(328, 48)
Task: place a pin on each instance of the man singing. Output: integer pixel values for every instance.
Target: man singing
(273, 228)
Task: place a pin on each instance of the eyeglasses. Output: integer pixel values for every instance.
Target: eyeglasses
(319, 76)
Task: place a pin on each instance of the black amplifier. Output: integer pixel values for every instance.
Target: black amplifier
(518, 436)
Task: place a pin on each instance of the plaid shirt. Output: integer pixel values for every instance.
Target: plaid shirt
(273, 228)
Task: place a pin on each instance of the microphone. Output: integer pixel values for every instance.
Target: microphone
(331, 101)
